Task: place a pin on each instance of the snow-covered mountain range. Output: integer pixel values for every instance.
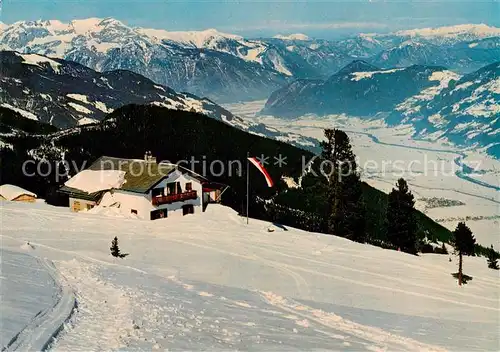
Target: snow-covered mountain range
(452, 34)
(228, 67)
(357, 89)
(464, 110)
(198, 62)
(65, 94)
(438, 103)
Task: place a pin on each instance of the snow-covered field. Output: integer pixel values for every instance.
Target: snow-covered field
(387, 153)
(33, 305)
(210, 282)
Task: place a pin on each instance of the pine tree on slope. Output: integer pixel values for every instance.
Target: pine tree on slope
(115, 250)
(351, 222)
(492, 259)
(345, 196)
(401, 221)
(463, 241)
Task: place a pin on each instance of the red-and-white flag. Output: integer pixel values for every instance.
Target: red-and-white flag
(263, 170)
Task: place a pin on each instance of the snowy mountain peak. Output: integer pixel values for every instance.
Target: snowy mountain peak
(89, 25)
(369, 37)
(480, 30)
(296, 36)
(197, 39)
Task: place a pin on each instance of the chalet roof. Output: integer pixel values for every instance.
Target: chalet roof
(77, 193)
(11, 192)
(140, 175)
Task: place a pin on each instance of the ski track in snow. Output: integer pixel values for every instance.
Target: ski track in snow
(44, 326)
(330, 320)
(188, 285)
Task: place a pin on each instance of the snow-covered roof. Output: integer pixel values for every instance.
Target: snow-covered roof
(135, 175)
(92, 181)
(11, 192)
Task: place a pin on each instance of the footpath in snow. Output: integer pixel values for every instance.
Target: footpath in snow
(210, 282)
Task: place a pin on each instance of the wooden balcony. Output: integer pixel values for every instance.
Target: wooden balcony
(171, 198)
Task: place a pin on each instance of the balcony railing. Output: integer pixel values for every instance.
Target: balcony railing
(171, 198)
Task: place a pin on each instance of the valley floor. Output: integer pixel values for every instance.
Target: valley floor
(210, 282)
(441, 190)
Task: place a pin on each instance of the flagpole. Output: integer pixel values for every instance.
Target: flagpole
(248, 183)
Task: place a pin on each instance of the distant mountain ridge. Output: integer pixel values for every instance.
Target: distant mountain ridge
(438, 103)
(452, 34)
(359, 89)
(65, 93)
(227, 67)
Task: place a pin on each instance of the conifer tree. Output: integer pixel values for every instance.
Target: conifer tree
(401, 221)
(346, 216)
(115, 250)
(463, 242)
(492, 258)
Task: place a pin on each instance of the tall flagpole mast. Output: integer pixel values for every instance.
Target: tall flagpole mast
(248, 183)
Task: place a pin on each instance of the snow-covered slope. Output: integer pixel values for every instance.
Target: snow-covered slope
(34, 305)
(209, 281)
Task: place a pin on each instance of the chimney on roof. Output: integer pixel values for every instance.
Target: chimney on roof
(149, 158)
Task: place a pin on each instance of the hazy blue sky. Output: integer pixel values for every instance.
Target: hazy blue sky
(254, 18)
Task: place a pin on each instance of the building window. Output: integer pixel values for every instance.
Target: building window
(187, 209)
(77, 206)
(171, 188)
(157, 192)
(174, 188)
(158, 214)
(133, 211)
(189, 186)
